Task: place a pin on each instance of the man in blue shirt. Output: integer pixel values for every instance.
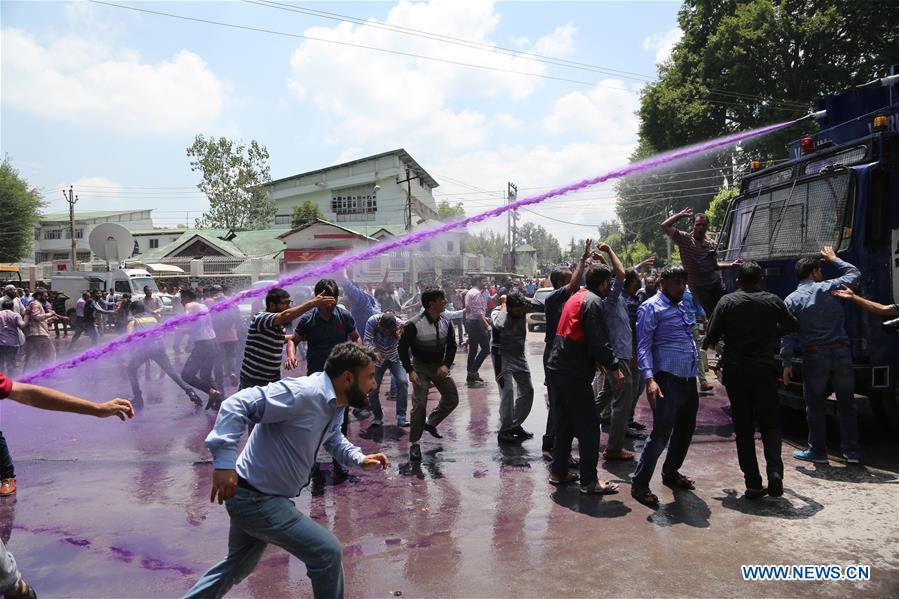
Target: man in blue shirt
(382, 335)
(293, 418)
(826, 356)
(666, 354)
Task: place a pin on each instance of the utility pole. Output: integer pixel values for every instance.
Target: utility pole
(72, 200)
(512, 195)
(408, 181)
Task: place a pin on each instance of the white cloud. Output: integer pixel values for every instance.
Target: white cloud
(405, 101)
(508, 121)
(557, 43)
(606, 112)
(97, 193)
(663, 43)
(534, 170)
(77, 79)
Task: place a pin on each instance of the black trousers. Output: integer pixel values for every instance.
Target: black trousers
(7, 469)
(575, 417)
(550, 435)
(752, 391)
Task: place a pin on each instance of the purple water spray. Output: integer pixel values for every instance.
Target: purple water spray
(341, 262)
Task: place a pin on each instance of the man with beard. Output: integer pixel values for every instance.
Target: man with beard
(427, 350)
(297, 416)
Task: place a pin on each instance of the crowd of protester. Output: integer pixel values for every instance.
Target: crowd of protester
(613, 334)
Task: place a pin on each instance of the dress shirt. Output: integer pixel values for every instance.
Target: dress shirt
(820, 315)
(665, 338)
(293, 417)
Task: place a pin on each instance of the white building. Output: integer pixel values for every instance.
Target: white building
(363, 195)
(53, 238)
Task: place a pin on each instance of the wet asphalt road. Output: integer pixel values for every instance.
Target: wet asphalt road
(106, 509)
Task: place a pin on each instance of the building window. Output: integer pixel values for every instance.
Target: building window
(354, 203)
(154, 243)
(41, 257)
(61, 256)
(83, 256)
(37, 234)
(283, 219)
(79, 233)
(54, 234)
(449, 246)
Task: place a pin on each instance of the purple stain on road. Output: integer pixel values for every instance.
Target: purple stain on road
(341, 262)
(77, 542)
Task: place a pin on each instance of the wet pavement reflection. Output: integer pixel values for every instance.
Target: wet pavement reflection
(106, 509)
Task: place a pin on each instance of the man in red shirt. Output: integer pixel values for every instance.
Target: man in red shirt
(580, 347)
(12, 585)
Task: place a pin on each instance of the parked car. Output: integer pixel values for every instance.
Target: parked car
(537, 320)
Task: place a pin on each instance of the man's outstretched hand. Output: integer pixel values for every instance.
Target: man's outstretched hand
(116, 407)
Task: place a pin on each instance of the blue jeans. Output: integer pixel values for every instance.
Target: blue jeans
(256, 521)
(833, 365)
(674, 418)
(398, 376)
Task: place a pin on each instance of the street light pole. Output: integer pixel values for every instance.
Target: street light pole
(408, 181)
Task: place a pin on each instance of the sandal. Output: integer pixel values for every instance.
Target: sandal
(571, 477)
(600, 487)
(679, 482)
(645, 496)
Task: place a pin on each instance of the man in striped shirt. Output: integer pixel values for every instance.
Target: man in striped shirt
(698, 252)
(266, 338)
(382, 334)
(666, 354)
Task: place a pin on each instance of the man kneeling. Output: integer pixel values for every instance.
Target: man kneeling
(293, 417)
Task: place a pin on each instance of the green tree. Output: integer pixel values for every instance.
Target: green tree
(487, 243)
(233, 176)
(548, 249)
(20, 206)
(447, 212)
(718, 208)
(741, 64)
(745, 63)
(306, 212)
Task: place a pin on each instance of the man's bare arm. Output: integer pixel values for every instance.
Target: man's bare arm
(45, 398)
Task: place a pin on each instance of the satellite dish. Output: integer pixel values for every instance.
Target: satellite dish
(111, 242)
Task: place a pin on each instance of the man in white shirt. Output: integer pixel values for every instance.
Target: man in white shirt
(197, 369)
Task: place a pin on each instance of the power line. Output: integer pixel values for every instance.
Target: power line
(401, 53)
(488, 47)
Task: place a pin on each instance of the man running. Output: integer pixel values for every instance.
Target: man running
(197, 369)
(427, 349)
(300, 415)
(150, 349)
(382, 334)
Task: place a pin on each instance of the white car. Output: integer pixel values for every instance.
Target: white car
(537, 320)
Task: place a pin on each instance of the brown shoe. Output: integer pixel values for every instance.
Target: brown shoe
(7, 486)
(620, 454)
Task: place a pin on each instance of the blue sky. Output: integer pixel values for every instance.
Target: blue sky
(108, 99)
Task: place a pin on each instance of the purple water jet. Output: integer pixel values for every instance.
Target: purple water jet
(344, 261)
